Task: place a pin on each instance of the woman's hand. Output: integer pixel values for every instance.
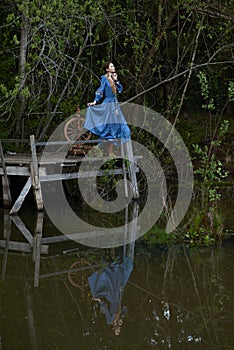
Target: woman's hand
(96, 299)
(91, 103)
(114, 76)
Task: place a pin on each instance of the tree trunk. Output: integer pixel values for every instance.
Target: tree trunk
(22, 74)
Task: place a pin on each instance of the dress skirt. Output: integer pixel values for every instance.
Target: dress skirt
(107, 121)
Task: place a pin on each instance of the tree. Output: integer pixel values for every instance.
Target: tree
(53, 54)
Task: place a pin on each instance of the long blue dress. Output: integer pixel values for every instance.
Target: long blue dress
(108, 285)
(106, 119)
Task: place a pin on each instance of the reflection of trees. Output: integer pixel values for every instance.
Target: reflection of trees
(183, 299)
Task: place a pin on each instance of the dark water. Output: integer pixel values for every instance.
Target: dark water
(176, 297)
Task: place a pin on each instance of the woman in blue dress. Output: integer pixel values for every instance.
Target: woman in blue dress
(106, 119)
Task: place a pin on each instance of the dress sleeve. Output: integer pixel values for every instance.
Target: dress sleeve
(106, 312)
(119, 86)
(100, 91)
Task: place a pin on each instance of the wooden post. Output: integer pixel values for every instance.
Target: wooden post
(124, 171)
(35, 174)
(132, 171)
(5, 181)
(37, 248)
(6, 235)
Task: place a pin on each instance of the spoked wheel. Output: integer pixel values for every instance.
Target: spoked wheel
(79, 278)
(74, 130)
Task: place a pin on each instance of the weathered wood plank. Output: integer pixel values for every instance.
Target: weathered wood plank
(6, 235)
(37, 248)
(35, 174)
(124, 171)
(76, 175)
(37, 260)
(16, 170)
(23, 229)
(82, 235)
(5, 181)
(23, 247)
(19, 201)
(131, 168)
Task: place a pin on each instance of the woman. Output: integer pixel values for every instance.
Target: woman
(106, 119)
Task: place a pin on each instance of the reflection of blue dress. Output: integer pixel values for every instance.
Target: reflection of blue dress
(106, 120)
(109, 284)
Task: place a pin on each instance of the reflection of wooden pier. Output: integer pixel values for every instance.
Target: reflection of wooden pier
(37, 243)
(34, 168)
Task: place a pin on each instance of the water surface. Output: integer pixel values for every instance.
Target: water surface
(176, 297)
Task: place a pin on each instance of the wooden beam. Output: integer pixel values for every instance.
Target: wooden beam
(131, 168)
(84, 174)
(124, 171)
(5, 181)
(23, 247)
(82, 235)
(18, 203)
(35, 174)
(23, 229)
(37, 248)
(6, 235)
(16, 170)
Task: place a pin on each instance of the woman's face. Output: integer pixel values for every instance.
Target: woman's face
(111, 68)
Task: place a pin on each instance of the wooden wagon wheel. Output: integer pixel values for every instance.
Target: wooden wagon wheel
(79, 278)
(74, 128)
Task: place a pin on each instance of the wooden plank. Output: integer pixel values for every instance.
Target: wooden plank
(16, 170)
(18, 203)
(6, 235)
(76, 175)
(6, 224)
(19, 160)
(58, 158)
(34, 164)
(37, 257)
(38, 233)
(5, 187)
(14, 140)
(5, 181)
(35, 174)
(20, 246)
(132, 172)
(23, 247)
(25, 232)
(82, 268)
(55, 239)
(124, 171)
(37, 247)
(81, 235)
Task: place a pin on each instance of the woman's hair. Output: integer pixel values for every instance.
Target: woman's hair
(106, 64)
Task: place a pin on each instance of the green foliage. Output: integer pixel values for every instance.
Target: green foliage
(205, 227)
(157, 235)
(231, 90)
(205, 91)
(66, 43)
(211, 170)
(206, 222)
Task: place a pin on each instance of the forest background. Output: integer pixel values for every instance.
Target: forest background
(173, 56)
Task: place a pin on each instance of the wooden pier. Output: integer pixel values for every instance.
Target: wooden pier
(34, 168)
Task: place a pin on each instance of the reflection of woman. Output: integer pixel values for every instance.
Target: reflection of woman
(107, 288)
(106, 120)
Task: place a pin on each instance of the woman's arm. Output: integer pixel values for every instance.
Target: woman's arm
(119, 86)
(99, 92)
